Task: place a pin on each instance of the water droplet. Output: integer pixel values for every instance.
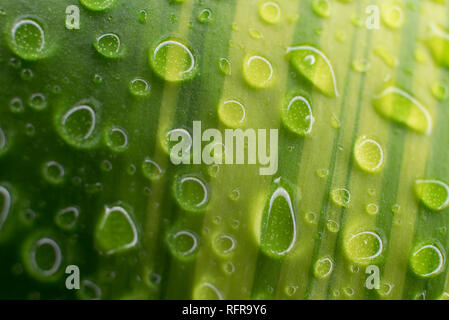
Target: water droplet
(255, 34)
(106, 165)
(183, 244)
(433, 193)
(322, 173)
(16, 105)
(142, 17)
(98, 5)
(278, 229)
(205, 16)
(258, 71)
(386, 57)
(116, 139)
(109, 45)
(116, 231)
(332, 226)
(341, 197)
(78, 126)
(15, 63)
(270, 12)
(314, 66)
(348, 291)
(234, 195)
(372, 208)
(224, 244)
(397, 105)
(363, 247)
(361, 65)
(368, 154)
(66, 218)
(26, 74)
(43, 258)
(4, 142)
(225, 66)
(89, 290)
(393, 16)
(27, 39)
(139, 87)
(323, 267)
(53, 172)
(207, 291)
(232, 113)
(213, 170)
(322, 8)
(438, 44)
(97, 79)
(173, 61)
(228, 267)
(37, 101)
(151, 169)
(191, 192)
(311, 217)
(439, 91)
(427, 260)
(5, 202)
(296, 115)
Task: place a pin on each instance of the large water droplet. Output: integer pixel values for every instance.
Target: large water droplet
(323, 268)
(314, 66)
(109, 45)
(270, 12)
(278, 228)
(258, 71)
(191, 192)
(78, 126)
(363, 247)
(438, 44)
(232, 113)
(116, 231)
(427, 260)
(433, 193)
(397, 105)
(28, 39)
(116, 139)
(183, 244)
(296, 114)
(368, 154)
(173, 61)
(98, 5)
(43, 258)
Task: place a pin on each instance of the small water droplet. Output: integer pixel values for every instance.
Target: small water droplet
(139, 87)
(109, 45)
(37, 101)
(322, 8)
(258, 71)
(53, 172)
(206, 16)
(270, 12)
(341, 197)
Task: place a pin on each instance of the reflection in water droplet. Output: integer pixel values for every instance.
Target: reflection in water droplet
(323, 268)
(270, 12)
(341, 197)
(191, 193)
(433, 193)
(151, 169)
(205, 16)
(53, 172)
(314, 66)
(66, 218)
(98, 5)
(427, 260)
(368, 154)
(183, 244)
(397, 105)
(296, 114)
(37, 101)
(363, 247)
(27, 39)
(116, 139)
(139, 87)
(173, 61)
(116, 231)
(258, 71)
(109, 45)
(232, 113)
